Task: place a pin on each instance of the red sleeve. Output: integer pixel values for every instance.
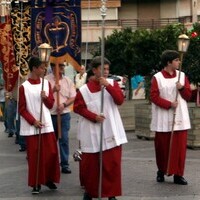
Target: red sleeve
(116, 93)
(22, 107)
(186, 93)
(49, 101)
(155, 96)
(81, 108)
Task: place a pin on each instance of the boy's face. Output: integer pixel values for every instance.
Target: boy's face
(82, 71)
(40, 71)
(60, 67)
(97, 71)
(175, 63)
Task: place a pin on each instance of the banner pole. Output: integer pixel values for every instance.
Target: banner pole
(103, 14)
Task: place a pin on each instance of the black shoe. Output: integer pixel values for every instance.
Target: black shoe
(86, 196)
(160, 176)
(36, 190)
(112, 198)
(22, 149)
(51, 185)
(66, 170)
(10, 134)
(17, 139)
(180, 180)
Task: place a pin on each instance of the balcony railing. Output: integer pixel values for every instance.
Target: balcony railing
(140, 23)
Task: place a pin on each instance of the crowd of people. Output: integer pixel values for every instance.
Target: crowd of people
(39, 115)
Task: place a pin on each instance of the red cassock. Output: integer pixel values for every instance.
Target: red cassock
(49, 169)
(111, 173)
(111, 159)
(162, 139)
(49, 162)
(178, 152)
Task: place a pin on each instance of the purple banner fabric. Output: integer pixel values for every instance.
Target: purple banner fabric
(59, 26)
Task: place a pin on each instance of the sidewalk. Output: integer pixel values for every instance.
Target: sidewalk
(138, 165)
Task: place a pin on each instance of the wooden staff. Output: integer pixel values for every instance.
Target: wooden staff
(44, 54)
(39, 137)
(183, 44)
(57, 76)
(174, 118)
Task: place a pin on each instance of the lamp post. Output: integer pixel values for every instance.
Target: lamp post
(44, 55)
(183, 44)
(44, 51)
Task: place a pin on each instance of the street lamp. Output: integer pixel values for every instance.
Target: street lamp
(44, 52)
(183, 43)
(44, 55)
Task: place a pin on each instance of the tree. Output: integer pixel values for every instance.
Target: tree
(139, 51)
(191, 64)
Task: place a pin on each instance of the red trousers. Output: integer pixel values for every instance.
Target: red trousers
(177, 153)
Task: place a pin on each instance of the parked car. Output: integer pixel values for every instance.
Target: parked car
(122, 81)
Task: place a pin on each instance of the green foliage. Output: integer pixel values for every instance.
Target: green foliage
(139, 51)
(119, 51)
(191, 61)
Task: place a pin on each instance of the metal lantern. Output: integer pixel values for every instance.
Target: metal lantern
(183, 43)
(44, 52)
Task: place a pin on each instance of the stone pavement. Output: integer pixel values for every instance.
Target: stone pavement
(138, 164)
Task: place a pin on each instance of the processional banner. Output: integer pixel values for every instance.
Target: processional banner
(58, 23)
(7, 57)
(21, 29)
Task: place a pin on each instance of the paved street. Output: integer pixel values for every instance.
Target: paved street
(139, 172)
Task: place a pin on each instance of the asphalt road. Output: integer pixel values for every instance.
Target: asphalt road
(139, 173)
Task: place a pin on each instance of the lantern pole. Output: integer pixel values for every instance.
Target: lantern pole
(103, 10)
(183, 44)
(57, 77)
(44, 55)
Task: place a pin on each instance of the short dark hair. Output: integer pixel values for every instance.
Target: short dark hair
(60, 64)
(89, 74)
(52, 64)
(34, 62)
(96, 62)
(168, 56)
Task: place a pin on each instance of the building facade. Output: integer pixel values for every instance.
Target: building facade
(129, 13)
(135, 14)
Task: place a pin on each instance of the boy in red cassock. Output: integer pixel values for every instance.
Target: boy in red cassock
(164, 87)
